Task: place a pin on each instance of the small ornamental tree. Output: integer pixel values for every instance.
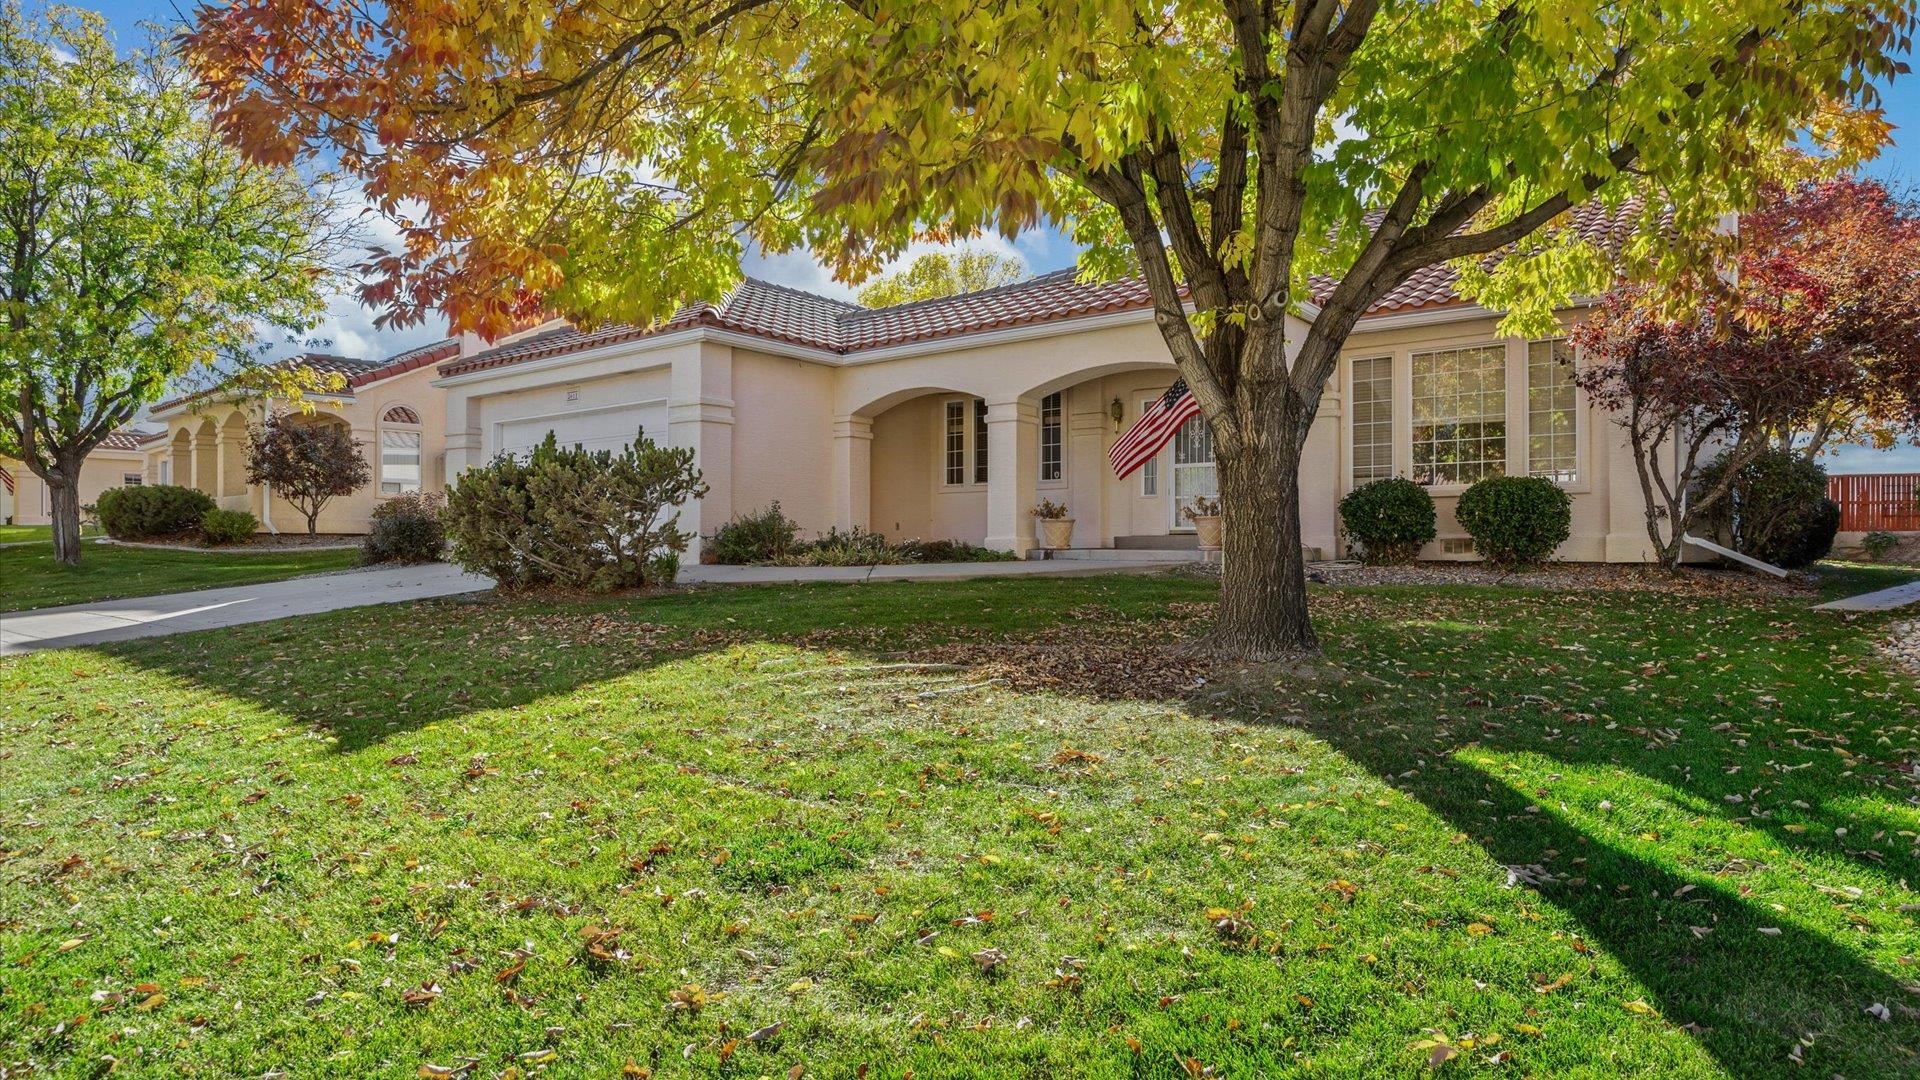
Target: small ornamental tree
(1826, 273)
(308, 463)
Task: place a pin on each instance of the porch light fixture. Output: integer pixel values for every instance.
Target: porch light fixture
(1118, 412)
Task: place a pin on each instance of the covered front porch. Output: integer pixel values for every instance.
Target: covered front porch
(962, 461)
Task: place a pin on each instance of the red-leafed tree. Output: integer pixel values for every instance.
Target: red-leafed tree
(1851, 248)
(1815, 336)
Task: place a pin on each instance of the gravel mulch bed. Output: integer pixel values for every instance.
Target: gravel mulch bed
(1901, 645)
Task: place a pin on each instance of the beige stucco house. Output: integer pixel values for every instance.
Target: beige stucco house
(119, 460)
(391, 408)
(951, 418)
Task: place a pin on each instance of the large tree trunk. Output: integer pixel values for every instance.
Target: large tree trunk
(1263, 587)
(65, 495)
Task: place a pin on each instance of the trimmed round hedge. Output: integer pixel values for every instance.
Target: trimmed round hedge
(1516, 520)
(152, 510)
(227, 526)
(1388, 520)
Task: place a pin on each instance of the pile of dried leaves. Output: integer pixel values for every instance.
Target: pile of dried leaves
(1111, 659)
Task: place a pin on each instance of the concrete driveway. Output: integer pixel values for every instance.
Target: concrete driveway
(236, 605)
(209, 609)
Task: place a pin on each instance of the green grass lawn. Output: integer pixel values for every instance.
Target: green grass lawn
(20, 534)
(30, 578)
(967, 829)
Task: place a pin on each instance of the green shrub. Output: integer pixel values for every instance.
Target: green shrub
(573, 518)
(937, 551)
(152, 510)
(1878, 544)
(1516, 520)
(227, 526)
(406, 529)
(1776, 509)
(1389, 520)
(855, 547)
(763, 537)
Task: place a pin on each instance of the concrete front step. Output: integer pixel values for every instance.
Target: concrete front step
(1123, 555)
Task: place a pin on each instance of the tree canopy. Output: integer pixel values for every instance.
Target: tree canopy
(134, 245)
(939, 273)
(609, 161)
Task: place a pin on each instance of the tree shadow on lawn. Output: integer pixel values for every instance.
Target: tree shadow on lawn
(1454, 698)
(1526, 777)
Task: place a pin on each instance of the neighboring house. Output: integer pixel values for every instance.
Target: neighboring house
(389, 407)
(950, 418)
(120, 459)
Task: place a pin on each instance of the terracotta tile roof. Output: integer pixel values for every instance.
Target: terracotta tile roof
(411, 360)
(1433, 286)
(128, 439)
(779, 313)
(354, 370)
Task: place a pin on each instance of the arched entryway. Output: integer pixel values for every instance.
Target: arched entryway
(206, 457)
(180, 459)
(233, 458)
(929, 464)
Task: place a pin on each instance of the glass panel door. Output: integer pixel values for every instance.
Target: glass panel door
(1193, 469)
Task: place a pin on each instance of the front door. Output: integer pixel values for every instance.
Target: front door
(1193, 469)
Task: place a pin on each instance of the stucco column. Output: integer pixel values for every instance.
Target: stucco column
(1087, 471)
(219, 466)
(1013, 461)
(700, 417)
(464, 446)
(852, 472)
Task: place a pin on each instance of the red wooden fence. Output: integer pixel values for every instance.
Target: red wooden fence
(1884, 501)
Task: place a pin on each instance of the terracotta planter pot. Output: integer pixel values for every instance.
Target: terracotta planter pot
(1056, 533)
(1207, 528)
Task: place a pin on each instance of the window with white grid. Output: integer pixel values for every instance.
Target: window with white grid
(1051, 443)
(1372, 418)
(956, 442)
(1553, 444)
(1459, 415)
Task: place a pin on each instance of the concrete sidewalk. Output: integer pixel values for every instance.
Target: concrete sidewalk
(208, 609)
(1898, 596)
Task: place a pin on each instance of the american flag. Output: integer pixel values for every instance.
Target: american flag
(1155, 426)
(6, 480)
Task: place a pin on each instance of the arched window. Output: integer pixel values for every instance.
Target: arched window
(399, 451)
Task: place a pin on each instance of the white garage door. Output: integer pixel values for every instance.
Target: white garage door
(605, 428)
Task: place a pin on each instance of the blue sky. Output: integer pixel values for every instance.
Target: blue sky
(351, 330)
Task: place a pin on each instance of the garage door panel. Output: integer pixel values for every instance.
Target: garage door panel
(594, 429)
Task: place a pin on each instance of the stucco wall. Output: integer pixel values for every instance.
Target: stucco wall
(103, 469)
(1607, 508)
(782, 440)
